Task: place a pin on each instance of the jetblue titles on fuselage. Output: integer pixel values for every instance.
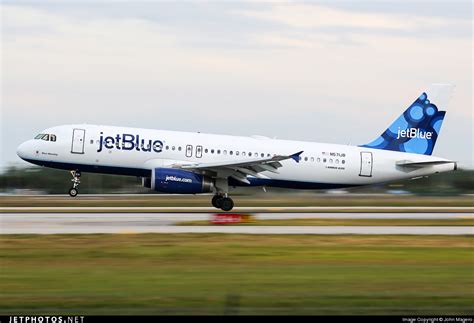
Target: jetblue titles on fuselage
(127, 141)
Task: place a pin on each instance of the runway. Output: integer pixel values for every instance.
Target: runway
(86, 223)
(264, 209)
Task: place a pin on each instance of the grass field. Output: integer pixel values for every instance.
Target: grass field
(236, 274)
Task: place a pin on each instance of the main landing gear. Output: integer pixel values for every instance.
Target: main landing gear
(76, 180)
(222, 202)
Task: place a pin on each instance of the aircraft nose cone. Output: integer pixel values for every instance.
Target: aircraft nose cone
(24, 150)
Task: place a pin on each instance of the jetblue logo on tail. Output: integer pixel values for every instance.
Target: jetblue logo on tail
(415, 131)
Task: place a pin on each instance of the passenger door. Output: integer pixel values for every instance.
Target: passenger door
(78, 137)
(366, 161)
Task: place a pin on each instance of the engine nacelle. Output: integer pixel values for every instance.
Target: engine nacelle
(170, 180)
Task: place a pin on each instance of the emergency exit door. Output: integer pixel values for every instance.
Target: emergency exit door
(366, 161)
(78, 136)
(189, 151)
(198, 151)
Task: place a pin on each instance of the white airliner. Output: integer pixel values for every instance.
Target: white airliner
(193, 163)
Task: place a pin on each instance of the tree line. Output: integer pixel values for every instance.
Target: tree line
(52, 181)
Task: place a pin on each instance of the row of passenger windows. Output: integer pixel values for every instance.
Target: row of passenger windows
(237, 153)
(224, 152)
(47, 137)
(256, 154)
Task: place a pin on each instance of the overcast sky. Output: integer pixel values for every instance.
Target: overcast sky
(334, 71)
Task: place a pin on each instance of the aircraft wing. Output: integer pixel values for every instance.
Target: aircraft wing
(240, 169)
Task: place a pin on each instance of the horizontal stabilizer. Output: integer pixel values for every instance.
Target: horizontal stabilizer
(409, 163)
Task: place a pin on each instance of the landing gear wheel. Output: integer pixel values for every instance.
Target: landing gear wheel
(216, 201)
(226, 203)
(73, 192)
(76, 180)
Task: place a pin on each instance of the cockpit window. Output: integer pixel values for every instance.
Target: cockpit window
(46, 137)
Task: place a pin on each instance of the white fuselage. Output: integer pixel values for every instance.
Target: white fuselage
(134, 151)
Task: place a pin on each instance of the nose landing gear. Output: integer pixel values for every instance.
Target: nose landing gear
(76, 180)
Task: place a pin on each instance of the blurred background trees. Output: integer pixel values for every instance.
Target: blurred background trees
(40, 180)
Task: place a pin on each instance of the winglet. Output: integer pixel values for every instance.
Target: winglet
(296, 157)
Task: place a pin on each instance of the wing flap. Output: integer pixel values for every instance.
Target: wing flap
(239, 170)
(270, 161)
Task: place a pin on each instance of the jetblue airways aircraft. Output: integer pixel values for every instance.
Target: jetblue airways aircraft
(193, 163)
